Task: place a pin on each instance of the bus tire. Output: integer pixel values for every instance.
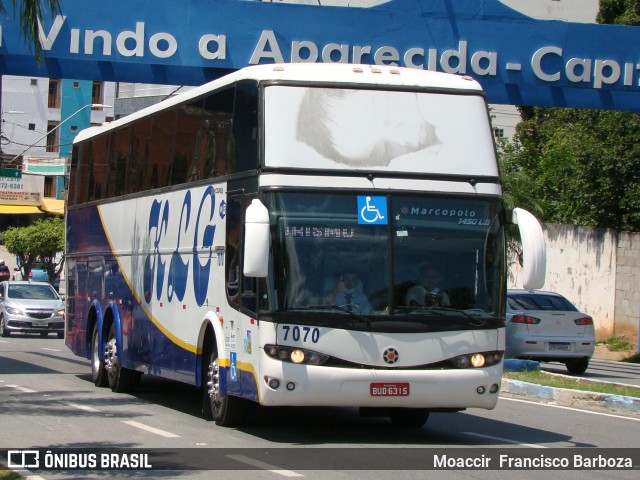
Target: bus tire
(409, 417)
(98, 372)
(120, 379)
(226, 410)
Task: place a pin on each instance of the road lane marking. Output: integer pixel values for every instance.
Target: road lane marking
(22, 389)
(85, 408)
(500, 439)
(591, 412)
(50, 349)
(147, 428)
(264, 466)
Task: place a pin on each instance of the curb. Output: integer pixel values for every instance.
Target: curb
(570, 397)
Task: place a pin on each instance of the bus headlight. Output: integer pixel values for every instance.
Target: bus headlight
(477, 360)
(295, 355)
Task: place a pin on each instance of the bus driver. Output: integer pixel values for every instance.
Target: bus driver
(428, 292)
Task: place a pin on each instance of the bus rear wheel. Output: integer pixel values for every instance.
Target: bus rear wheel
(226, 410)
(98, 372)
(409, 417)
(120, 379)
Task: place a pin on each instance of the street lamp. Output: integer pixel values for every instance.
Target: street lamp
(90, 105)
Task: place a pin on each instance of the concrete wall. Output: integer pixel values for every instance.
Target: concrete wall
(599, 271)
(581, 265)
(627, 313)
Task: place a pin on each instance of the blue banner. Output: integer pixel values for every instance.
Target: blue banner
(518, 60)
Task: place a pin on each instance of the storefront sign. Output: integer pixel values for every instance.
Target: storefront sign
(27, 190)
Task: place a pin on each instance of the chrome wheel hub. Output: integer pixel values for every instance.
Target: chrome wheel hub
(111, 356)
(214, 380)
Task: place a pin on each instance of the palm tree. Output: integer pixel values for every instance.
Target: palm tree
(30, 12)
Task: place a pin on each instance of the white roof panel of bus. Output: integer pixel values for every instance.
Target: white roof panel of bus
(333, 74)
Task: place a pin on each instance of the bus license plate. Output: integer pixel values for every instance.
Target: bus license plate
(558, 346)
(40, 324)
(389, 390)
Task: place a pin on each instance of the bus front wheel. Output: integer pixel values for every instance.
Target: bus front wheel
(409, 417)
(226, 410)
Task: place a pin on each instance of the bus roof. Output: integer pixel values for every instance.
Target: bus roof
(329, 73)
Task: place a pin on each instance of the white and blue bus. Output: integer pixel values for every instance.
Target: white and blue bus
(264, 237)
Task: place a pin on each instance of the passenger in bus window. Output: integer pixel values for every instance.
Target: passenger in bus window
(349, 293)
(430, 291)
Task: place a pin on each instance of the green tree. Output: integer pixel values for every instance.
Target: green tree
(43, 240)
(579, 167)
(29, 12)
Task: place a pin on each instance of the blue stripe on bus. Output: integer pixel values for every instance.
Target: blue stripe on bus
(144, 346)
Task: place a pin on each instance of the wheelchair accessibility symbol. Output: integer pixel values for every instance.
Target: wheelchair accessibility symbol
(373, 210)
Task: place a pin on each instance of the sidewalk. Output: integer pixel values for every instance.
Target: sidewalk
(579, 398)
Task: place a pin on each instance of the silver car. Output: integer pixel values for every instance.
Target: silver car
(30, 307)
(547, 327)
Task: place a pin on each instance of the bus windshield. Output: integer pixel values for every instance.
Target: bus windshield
(395, 255)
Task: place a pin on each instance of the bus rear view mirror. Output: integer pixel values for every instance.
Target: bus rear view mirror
(256, 240)
(534, 256)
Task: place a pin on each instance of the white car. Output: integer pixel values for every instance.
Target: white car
(547, 327)
(30, 307)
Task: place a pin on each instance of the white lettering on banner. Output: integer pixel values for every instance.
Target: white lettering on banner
(605, 72)
(47, 41)
(310, 48)
(547, 63)
(204, 47)
(267, 39)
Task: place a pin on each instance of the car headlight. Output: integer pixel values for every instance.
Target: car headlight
(60, 313)
(14, 311)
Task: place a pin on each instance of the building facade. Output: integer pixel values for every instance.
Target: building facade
(39, 120)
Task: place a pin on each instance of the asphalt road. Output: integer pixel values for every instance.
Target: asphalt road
(47, 401)
(603, 371)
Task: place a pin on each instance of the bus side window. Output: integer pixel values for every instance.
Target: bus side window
(161, 149)
(185, 156)
(79, 177)
(118, 158)
(241, 291)
(245, 126)
(140, 138)
(233, 248)
(220, 146)
(100, 150)
(199, 160)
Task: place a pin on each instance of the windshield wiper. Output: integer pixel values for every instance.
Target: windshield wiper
(440, 308)
(449, 309)
(342, 308)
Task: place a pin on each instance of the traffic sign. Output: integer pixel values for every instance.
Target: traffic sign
(10, 172)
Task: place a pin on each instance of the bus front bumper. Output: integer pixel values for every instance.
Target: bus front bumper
(286, 384)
